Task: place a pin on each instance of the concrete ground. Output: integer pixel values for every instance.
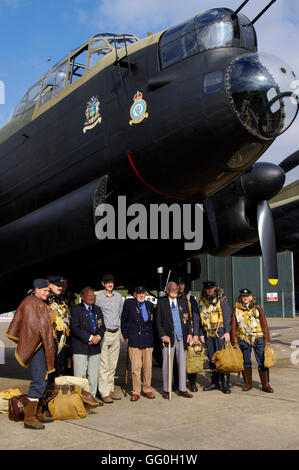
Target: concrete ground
(210, 420)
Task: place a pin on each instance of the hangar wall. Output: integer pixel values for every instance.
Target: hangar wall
(235, 273)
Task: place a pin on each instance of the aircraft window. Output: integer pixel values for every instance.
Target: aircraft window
(218, 33)
(248, 37)
(178, 31)
(98, 43)
(78, 65)
(213, 82)
(20, 106)
(60, 77)
(210, 30)
(33, 95)
(53, 83)
(120, 42)
(97, 55)
(177, 50)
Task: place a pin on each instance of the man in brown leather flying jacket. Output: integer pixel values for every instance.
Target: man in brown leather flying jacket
(31, 329)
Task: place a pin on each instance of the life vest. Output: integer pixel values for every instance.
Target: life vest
(211, 315)
(248, 323)
(60, 322)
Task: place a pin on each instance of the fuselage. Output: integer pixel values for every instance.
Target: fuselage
(177, 102)
(191, 129)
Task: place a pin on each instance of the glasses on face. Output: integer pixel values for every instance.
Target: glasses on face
(175, 289)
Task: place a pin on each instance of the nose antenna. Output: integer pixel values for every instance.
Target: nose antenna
(262, 12)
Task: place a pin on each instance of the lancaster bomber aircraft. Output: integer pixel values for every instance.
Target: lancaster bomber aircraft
(180, 116)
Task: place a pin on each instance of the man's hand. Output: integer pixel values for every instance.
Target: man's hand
(226, 336)
(189, 339)
(195, 339)
(202, 340)
(165, 339)
(95, 340)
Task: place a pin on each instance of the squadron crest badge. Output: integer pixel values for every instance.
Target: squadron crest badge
(92, 114)
(138, 109)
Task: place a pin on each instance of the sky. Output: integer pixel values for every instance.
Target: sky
(35, 34)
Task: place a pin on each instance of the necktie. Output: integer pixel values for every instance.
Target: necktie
(173, 305)
(92, 318)
(143, 310)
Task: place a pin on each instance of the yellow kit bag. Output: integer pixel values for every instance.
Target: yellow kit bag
(196, 358)
(67, 404)
(270, 357)
(228, 359)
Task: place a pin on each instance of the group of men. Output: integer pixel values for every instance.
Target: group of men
(53, 334)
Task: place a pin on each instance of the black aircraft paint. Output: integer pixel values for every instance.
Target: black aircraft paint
(212, 105)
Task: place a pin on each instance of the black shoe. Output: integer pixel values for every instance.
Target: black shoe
(193, 388)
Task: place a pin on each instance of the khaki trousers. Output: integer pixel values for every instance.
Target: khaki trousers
(109, 357)
(141, 358)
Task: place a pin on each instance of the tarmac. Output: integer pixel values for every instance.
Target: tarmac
(252, 420)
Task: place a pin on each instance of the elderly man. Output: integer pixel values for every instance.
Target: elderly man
(174, 327)
(137, 331)
(111, 304)
(31, 329)
(87, 328)
(215, 318)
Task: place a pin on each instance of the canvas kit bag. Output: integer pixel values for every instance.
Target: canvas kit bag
(196, 357)
(270, 357)
(228, 359)
(69, 402)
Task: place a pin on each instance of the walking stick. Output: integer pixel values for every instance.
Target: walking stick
(127, 372)
(169, 372)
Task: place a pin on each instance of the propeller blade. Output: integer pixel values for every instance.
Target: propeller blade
(267, 240)
(290, 162)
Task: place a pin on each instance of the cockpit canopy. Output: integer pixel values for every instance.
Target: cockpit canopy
(72, 67)
(212, 29)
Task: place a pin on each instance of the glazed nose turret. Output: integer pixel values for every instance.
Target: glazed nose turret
(261, 93)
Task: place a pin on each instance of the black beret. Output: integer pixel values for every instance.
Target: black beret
(245, 292)
(40, 283)
(57, 280)
(181, 280)
(108, 277)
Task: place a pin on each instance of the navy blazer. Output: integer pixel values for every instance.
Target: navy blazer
(164, 320)
(82, 329)
(133, 327)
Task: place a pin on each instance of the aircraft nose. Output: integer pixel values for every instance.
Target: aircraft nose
(260, 89)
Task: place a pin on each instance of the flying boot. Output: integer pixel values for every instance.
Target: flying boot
(215, 382)
(247, 377)
(30, 421)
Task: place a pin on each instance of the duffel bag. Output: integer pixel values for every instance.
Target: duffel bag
(67, 404)
(228, 359)
(195, 359)
(270, 357)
